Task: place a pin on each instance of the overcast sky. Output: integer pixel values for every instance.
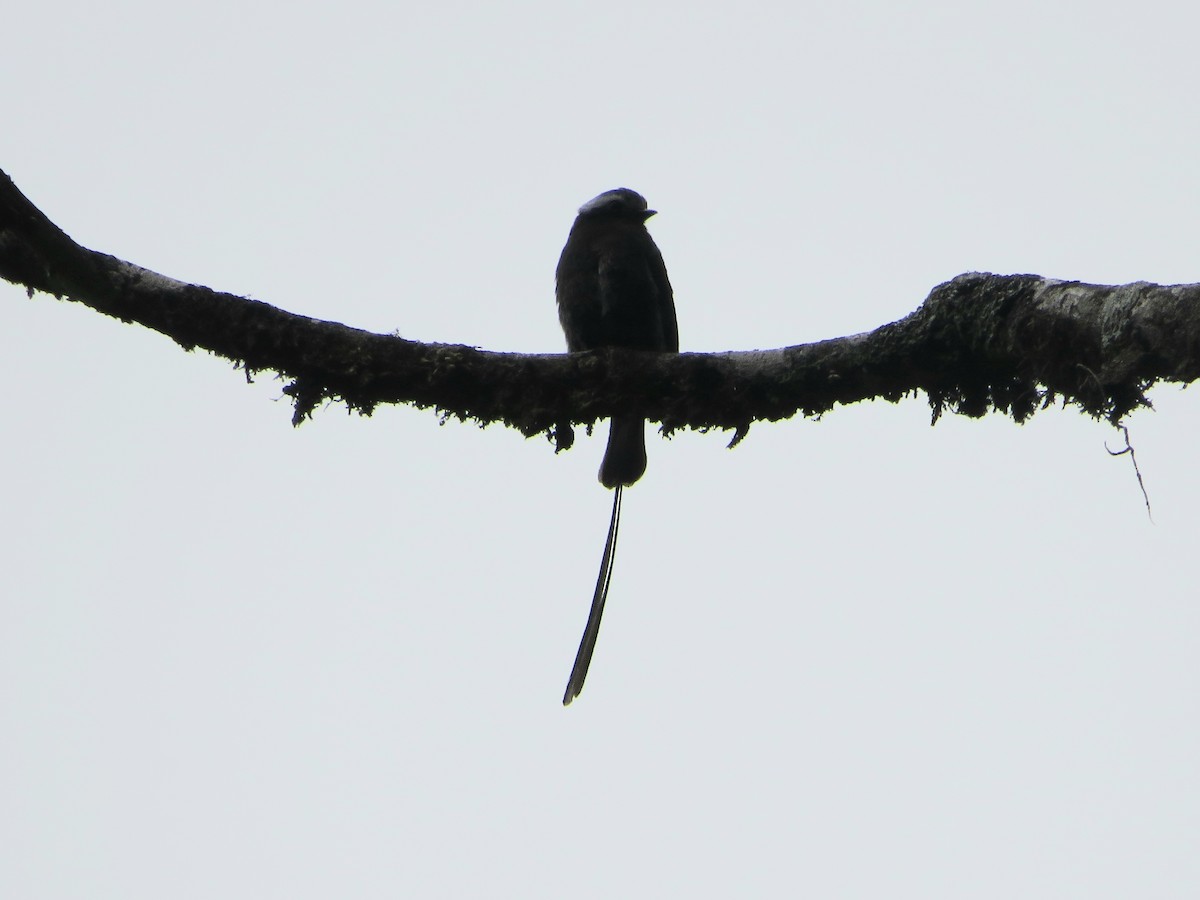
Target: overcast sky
(853, 658)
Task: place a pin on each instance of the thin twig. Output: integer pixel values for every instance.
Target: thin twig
(1128, 448)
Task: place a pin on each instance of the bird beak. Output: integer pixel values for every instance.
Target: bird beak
(648, 213)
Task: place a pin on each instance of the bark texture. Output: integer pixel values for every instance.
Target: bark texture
(980, 342)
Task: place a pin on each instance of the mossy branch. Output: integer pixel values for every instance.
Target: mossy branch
(980, 342)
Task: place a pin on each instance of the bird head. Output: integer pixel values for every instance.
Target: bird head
(617, 203)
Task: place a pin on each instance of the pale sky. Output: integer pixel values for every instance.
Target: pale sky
(853, 658)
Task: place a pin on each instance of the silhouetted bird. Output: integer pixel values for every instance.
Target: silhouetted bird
(612, 291)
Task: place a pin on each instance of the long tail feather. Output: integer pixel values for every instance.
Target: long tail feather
(587, 644)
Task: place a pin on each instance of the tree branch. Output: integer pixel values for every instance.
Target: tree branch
(979, 342)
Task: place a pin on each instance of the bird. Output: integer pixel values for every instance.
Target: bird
(612, 290)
